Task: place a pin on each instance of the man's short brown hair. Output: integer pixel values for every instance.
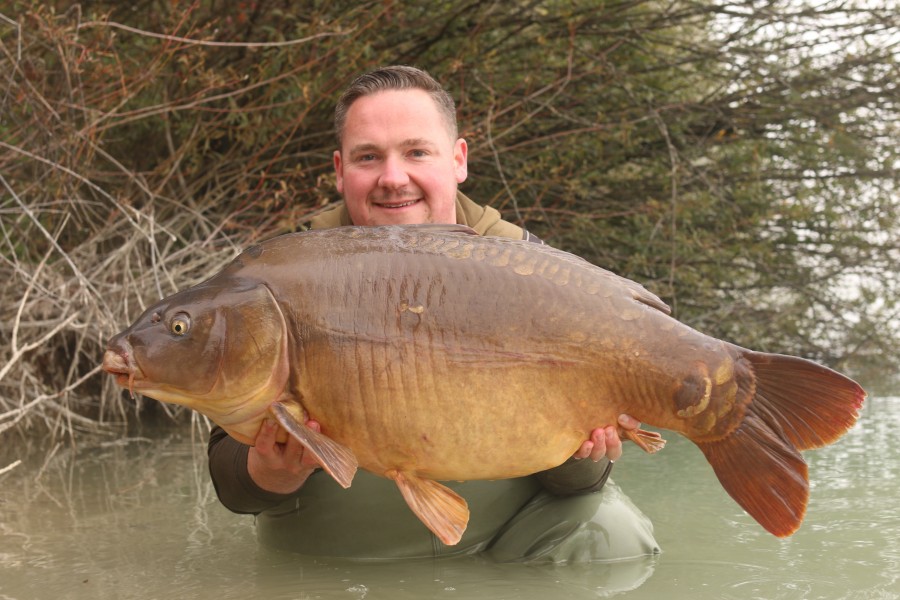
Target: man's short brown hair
(397, 77)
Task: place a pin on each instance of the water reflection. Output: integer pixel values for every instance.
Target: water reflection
(461, 577)
(138, 518)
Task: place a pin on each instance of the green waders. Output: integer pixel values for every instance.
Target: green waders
(511, 520)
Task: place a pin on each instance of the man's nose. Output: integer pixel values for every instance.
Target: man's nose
(394, 174)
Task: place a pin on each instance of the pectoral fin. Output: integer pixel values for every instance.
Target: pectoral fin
(441, 509)
(337, 460)
(649, 441)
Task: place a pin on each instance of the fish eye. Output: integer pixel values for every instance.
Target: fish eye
(180, 325)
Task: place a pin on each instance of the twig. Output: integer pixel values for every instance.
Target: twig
(18, 352)
(673, 201)
(53, 242)
(10, 467)
(18, 413)
(81, 178)
(183, 40)
(47, 460)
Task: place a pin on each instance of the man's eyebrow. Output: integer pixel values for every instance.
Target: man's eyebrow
(363, 148)
(407, 143)
(416, 142)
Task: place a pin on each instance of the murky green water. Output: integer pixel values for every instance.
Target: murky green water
(139, 519)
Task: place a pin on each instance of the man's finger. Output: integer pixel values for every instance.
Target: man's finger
(628, 422)
(265, 439)
(293, 449)
(584, 450)
(598, 438)
(613, 444)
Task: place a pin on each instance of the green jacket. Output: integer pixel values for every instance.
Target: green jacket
(483, 219)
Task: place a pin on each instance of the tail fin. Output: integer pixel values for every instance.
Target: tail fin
(814, 405)
(797, 405)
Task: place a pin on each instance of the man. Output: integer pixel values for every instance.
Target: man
(399, 161)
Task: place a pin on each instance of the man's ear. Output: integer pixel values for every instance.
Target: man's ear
(460, 158)
(339, 171)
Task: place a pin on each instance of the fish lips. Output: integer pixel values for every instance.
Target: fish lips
(119, 362)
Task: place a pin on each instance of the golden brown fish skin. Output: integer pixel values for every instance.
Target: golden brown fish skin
(391, 324)
(436, 355)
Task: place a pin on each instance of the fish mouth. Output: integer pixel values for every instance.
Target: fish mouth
(123, 367)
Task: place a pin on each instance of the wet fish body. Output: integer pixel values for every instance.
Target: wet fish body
(427, 354)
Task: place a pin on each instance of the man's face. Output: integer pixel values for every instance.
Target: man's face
(398, 163)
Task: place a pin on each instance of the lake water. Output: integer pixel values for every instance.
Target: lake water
(138, 518)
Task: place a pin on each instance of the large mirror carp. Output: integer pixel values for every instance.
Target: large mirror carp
(428, 353)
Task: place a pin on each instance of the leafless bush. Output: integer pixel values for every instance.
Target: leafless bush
(87, 240)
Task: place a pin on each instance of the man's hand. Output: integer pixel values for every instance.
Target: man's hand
(280, 468)
(605, 441)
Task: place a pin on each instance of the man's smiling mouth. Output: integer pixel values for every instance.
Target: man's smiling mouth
(396, 204)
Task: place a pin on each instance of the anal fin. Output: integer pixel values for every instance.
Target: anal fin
(648, 441)
(337, 460)
(441, 509)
